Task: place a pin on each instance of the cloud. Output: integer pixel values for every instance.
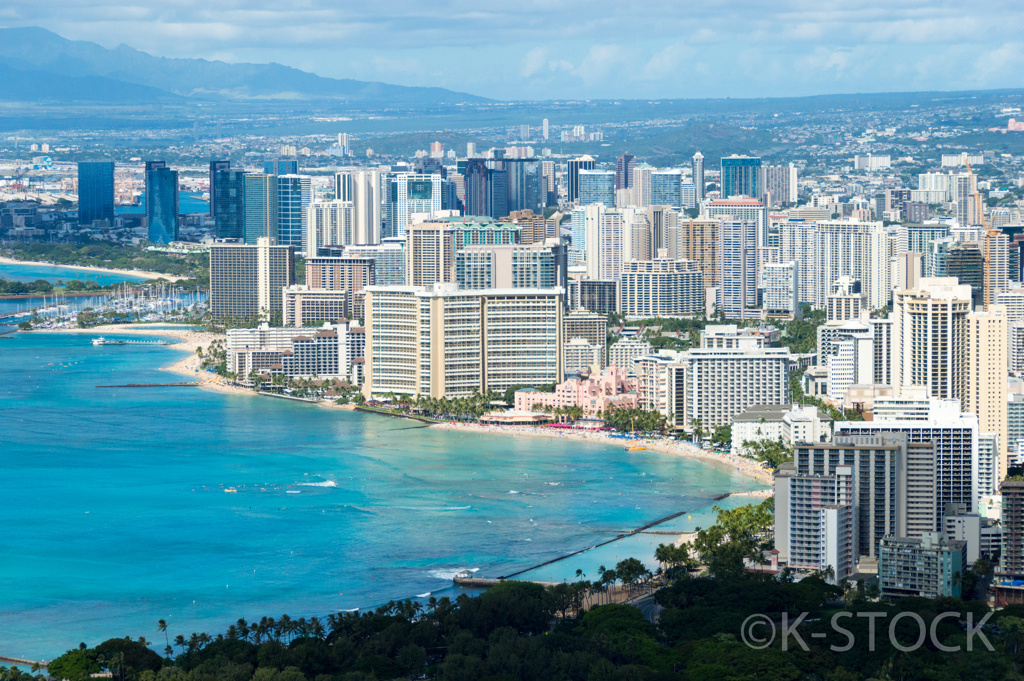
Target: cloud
(602, 48)
(533, 62)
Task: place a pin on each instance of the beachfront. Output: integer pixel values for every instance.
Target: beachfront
(189, 365)
(104, 270)
(669, 447)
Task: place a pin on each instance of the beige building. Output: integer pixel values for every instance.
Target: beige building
(996, 247)
(930, 337)
(305, 306)
(430, 253)
(589, 325)
(986, 376)
(581, 354)
(247, 280)
(696, 239)
(442, 342)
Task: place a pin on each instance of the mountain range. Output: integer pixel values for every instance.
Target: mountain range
(37, 65)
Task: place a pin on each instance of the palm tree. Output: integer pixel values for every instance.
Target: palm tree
(179, 641)
(162, 626)
(243, 629)
(316, 628)
(168, 651)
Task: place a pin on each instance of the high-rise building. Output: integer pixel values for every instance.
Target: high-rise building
(540, 264)
(388, 260)
(781, 285)
(661, 288)
(741, 176)
(596, 186)
(640, 186)
(349, 273)
(430, 254)
(663, 222)
(930, 338)
(407, 194)
(363, 189)
(997, 274)
(281, 166)
(95, 191)
(216, 167)
(624, 171)
(572, 175)
(737, 269)
(544, 128)
(589, 325)
(1011, 561)
(698, 175)
(227, 203)
(293, 197)
(742, 209)
(666, 188)
(600, 296)
(247, 280)
(306, 306)
(161, 203)
(609, 243)
(696, 239)
(927, 567)
(780, 183)
(985, 395)
(966, 263)
(954, 436)
(328, 224)
(261, 213)
(442, 342)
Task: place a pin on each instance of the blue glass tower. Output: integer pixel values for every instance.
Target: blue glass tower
(227, 203)
(293, 196)
(95, 191)
(741, 176)
(161, 202)
(597, 186)
(281, 166)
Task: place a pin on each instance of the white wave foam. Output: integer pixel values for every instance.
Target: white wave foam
(328, 483)
(423, 595)
(512, 491)
(553, 484)
(351, 610)
(448, 574)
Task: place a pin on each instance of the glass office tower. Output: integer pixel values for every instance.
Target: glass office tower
(95, 191)
(161, 202)
(741, 176)
(227, 203)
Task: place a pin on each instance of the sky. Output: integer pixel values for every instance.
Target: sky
(561, 49)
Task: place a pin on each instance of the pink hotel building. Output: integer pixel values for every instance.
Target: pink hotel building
(612, 389)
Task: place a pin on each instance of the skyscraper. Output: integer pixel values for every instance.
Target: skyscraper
(930, 338)
(95, 191)
(161, 202)
(986, 374)
(293, 196)
(281, 166)
(215, 167)
(698, 175)
(640, 186)
(477, 181)
(430, 253)
(573, 176)
(596, 186)
(247, 280)
(260, 207)
(624, 171)
(741, 176)
(737, 269)
(362, 188)
(544, 127)
(666, 188)
(227, 202)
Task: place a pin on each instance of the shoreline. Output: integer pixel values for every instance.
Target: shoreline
(675, 448)
(88, 268)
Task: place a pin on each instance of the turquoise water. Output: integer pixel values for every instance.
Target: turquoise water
(115, 513)
(52, 273)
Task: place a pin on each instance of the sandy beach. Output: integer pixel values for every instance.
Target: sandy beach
(670, 447)
(188, 341)
(130, 273)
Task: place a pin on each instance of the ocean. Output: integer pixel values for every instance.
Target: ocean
(115, 512)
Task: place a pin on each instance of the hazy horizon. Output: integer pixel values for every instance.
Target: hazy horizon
(600, 51)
